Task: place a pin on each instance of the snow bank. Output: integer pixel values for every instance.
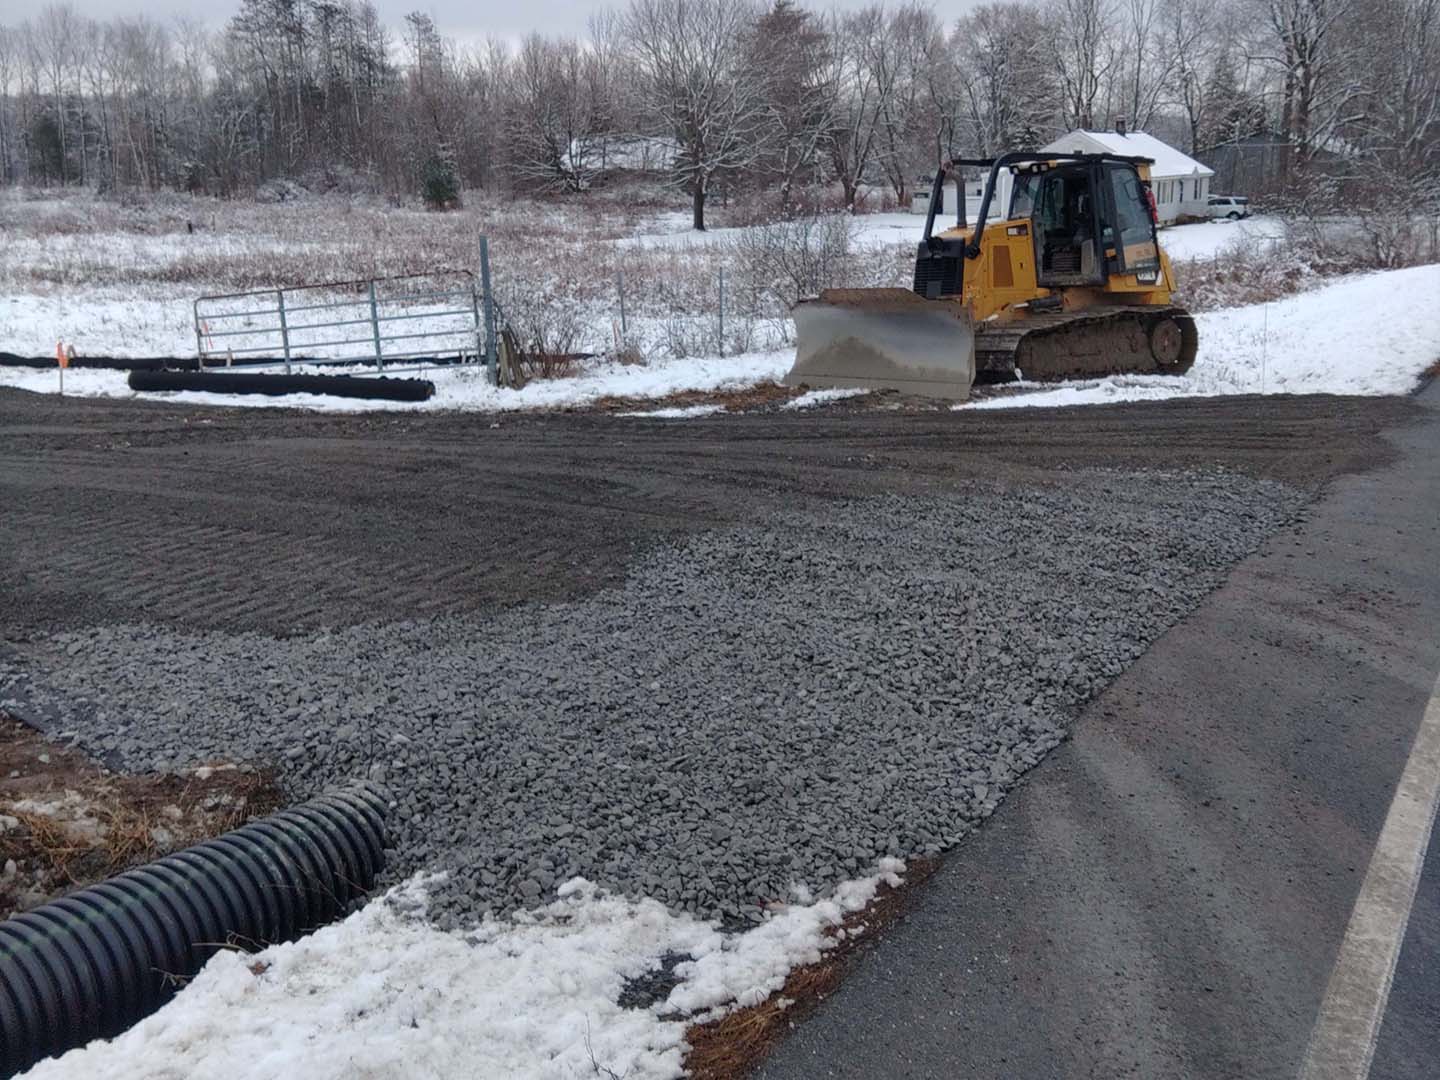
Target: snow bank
(812, 398)
(462, 389)
(1365, 334)
(688, 412)
(383, 994)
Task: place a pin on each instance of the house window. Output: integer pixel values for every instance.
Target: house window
(1197, 190)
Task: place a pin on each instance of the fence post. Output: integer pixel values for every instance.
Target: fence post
(284, 330)
(491, 360)
(375, 328)
(199, 341)
(722, 311)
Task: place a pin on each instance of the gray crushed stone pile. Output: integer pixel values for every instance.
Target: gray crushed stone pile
(754, 708)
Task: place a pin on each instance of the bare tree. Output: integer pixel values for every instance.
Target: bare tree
(1007, 90)
(1084, 53)
(1316, 88)
(1149, 62)
(1401, 125)
(856, 103)
(1191, 42)
(9, 63)
(773, 98)
(698, 87)
(901, 49)
(791, 45)
(53, 38)
(557, 113)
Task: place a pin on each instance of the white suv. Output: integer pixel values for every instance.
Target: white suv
(1233, 207)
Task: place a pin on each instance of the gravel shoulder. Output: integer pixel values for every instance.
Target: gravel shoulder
(700, 661)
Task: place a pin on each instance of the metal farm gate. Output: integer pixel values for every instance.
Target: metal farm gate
(392, 324)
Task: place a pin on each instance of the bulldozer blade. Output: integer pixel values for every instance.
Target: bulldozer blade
(884, 339)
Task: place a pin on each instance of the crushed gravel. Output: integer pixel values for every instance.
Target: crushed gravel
(756, 707)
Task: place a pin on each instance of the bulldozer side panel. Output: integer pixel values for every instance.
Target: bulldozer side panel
(1004, 273)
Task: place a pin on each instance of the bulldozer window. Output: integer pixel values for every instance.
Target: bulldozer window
(1062, 213)
(1137, 249)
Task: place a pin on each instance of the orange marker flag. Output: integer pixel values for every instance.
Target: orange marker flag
(61, 357)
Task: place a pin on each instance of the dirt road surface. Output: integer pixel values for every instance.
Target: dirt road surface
(276, 520)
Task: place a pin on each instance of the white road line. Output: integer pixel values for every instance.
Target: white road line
(1343, 1042)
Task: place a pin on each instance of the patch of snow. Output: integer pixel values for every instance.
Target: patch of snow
(1207, 239)
(749, 967)
(867, 230)
(812, 398)
(1364, 334)
(455, 388)
(529, 997)
(141, 322)
(686, 412)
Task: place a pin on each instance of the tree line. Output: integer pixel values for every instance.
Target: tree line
(732, 95)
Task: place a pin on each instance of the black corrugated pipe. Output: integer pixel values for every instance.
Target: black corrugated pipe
(235, 381)
(94, 962)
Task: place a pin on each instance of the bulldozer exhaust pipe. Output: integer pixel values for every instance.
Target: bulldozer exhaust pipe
(884, 339)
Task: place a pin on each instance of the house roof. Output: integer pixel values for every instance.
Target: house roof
(1168, 160)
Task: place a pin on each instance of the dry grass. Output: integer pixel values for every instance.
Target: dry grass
(752, 397)
(75, 823)
(734, 1046)
(557, 266)
(132, 820)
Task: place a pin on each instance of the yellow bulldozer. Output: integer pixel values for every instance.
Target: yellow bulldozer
(1071, 283)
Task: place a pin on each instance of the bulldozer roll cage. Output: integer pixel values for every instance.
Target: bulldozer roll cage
(939, 266)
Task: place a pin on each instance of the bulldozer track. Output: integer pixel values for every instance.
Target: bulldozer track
(1080, 344)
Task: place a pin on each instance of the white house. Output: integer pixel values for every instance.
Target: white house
(1181, 184)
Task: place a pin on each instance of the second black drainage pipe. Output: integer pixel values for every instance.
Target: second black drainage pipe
(94, 962)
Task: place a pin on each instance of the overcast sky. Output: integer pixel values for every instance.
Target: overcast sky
(471, 20)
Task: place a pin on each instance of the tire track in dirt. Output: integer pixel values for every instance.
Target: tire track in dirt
(286, 521)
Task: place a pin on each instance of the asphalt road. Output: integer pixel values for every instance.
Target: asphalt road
(1166, 895)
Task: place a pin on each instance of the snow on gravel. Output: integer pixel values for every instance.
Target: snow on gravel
(1364, 334)
(532, 997)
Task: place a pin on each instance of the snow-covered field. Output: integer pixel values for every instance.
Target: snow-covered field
(1363, 334)
(125, 288)
(1197, 241)
(534, 997)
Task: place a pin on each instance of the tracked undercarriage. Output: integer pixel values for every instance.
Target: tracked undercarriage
(1086, 344)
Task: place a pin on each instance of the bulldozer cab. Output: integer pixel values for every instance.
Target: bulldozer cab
(1090, 219)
